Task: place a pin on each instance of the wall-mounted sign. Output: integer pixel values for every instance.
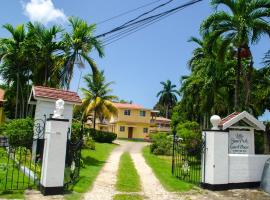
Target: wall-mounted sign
(240, 142)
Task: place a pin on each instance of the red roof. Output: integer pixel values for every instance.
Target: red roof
(53, 93)
(163, 119)
(2, 94)
(127, 105)
(229, 117)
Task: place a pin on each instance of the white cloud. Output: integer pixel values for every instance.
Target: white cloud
(43, 11)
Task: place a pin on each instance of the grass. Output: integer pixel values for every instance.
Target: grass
(93, 161)
(128, 179)
(127, 197)
(15, 179)
(161, 166)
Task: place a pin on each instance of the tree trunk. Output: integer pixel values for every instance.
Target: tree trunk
(94, 120)
(27, 94)
(22, 111)
(249, 82)
(167, 111)
(17, 96)
(237, 80)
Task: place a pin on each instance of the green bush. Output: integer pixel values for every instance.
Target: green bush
(259, 142)
(76, 131)
(161, 144)
(89, 143)
(190, 133)
(19, 132)
(101, 136)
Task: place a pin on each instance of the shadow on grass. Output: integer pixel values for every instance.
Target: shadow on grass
(92, 161)
(8, 194)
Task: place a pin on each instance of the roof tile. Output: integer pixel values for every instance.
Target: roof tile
(2, 94)
(127, 105)
(229, 117)
(53, 93)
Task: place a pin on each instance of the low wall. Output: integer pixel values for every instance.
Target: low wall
(246, 168)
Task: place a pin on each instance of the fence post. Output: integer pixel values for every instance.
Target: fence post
(174, 138)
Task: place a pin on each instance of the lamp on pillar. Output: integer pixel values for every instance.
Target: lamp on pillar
(53, 165)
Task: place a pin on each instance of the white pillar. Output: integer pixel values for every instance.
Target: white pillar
(216, 158)
(53, 165)
(215, 162)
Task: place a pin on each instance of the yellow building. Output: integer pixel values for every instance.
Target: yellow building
(132, 122)
(160, 124)
(2, 114)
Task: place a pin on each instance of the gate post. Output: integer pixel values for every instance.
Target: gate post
(215, 158)
(53, 165)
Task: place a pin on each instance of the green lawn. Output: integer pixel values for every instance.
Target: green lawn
(127, 197)
(93, 162)
(128, 179)
(161, 166)
(15, 179)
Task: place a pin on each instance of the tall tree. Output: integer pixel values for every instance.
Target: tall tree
(168, 95)
(14, 63)
(266, 59)
(243, 25)
(46, 53)
(79, 43)
(97, 98)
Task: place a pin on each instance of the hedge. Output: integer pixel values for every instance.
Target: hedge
(101, 136)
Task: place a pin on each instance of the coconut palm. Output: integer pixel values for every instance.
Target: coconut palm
(168, 95)
(242, 26)
(13, 63)
(79, 43)
(97, 98)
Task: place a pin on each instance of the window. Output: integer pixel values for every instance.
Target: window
(122, 128)
(127, 112)
(142, 113)
(145, 130)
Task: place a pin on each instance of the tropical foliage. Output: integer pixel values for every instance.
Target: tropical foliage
(97, 101)
(241, 26)
(167, 98)
(39, 55)
(223, 78)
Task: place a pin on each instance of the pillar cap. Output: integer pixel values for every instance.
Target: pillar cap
(215, 121)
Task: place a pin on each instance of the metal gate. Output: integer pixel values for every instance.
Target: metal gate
(73, 158)
(187, 159)
(20, 162)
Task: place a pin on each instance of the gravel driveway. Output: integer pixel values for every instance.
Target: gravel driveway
(104, 185)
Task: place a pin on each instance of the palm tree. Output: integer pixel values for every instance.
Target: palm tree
(79, 43)
(242, 26)
(266, 59)
(167, 96)
(97, 98)
(13, 62)
(46, 52)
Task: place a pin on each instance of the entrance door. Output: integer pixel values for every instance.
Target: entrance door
(130, 132)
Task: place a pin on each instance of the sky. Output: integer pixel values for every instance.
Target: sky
(138, 63)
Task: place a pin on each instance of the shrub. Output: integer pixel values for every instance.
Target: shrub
(75, 131)
(190, 133)
(101, 136)
(89, 143)
(161, 144)
(19, 132)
